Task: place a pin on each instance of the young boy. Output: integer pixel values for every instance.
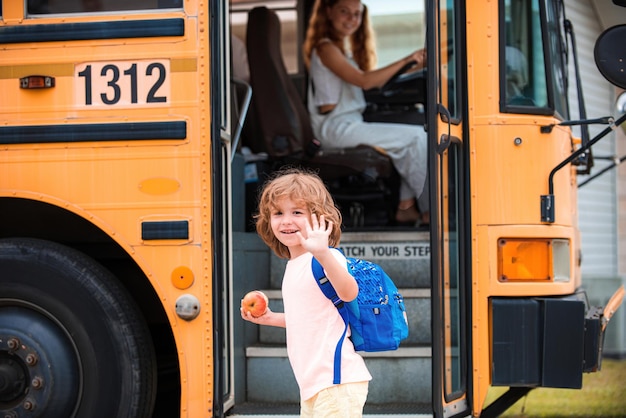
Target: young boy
(298, 220)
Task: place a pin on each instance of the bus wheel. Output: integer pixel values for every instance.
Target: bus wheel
(72, 343)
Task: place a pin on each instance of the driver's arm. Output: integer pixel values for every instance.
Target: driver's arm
(332, 57)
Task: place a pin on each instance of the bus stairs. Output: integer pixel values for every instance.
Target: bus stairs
(401, 384)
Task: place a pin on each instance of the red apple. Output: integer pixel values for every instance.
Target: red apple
(255, 302)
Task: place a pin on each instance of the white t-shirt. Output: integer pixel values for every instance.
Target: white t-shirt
(314, 327)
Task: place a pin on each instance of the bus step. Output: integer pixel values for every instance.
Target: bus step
(288, 410)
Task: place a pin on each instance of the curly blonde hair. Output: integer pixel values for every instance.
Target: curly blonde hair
(362, 42)
(301, 186)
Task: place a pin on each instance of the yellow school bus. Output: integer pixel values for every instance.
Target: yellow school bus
(127, 186)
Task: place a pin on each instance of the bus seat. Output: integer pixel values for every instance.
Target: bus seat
(357, 177)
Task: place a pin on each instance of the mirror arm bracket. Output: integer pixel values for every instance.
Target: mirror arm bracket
(547, 201)
(606, 120)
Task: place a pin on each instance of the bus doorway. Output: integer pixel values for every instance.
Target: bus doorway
(263, 379)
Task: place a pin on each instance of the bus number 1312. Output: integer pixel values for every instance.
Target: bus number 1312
(124, 83)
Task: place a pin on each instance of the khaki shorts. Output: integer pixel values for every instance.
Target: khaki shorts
(345, 401)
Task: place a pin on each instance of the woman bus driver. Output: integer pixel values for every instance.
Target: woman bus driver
(340, 56)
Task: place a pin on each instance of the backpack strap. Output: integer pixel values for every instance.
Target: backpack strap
(329, 291)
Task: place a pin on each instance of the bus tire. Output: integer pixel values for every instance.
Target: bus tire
(72, 342)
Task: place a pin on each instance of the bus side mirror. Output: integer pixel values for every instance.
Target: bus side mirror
(610, 55)
(620, 103)
(620, 106)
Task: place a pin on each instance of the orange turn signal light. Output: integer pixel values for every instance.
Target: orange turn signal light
(37, 82)
(533, 259)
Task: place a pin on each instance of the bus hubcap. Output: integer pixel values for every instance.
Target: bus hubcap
(39, 373)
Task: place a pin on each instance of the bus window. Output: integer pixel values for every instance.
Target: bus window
(36, 7)
(558, 56)
(447, 67)
(523, 70)
(399, 27)
(288, 16)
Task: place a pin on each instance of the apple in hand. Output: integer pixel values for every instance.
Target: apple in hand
(255, 302)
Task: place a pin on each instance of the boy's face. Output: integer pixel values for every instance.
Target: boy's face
(287, 218)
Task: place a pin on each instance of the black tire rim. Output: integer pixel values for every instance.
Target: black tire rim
(36, 371)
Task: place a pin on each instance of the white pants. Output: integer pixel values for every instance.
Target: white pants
(405, 144)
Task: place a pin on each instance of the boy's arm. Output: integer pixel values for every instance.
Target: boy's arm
(344, 284)
(316, 242)
(275, 319)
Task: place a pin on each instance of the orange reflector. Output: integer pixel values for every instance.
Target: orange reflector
(525, 259)
(36, 82)
(182, 277)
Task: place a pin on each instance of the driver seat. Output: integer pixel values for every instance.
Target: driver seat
(363, 181)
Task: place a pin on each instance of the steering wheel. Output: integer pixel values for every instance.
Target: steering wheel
(400, 77)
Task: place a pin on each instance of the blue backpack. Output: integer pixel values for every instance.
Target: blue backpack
(377, 317)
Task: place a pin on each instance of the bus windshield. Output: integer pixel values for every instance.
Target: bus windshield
(524, 63)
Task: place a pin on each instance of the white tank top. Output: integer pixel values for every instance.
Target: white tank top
(348, 98)
(326, 85)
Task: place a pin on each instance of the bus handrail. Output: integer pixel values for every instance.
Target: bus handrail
(243, 112)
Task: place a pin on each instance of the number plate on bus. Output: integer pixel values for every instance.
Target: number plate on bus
(122, 83)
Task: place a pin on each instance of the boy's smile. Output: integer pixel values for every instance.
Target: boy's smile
(288, 218)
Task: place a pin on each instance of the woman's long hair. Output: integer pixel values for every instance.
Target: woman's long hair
(362, 42)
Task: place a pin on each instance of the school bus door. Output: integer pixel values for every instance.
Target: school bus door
(447, 160)
(222, 159)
